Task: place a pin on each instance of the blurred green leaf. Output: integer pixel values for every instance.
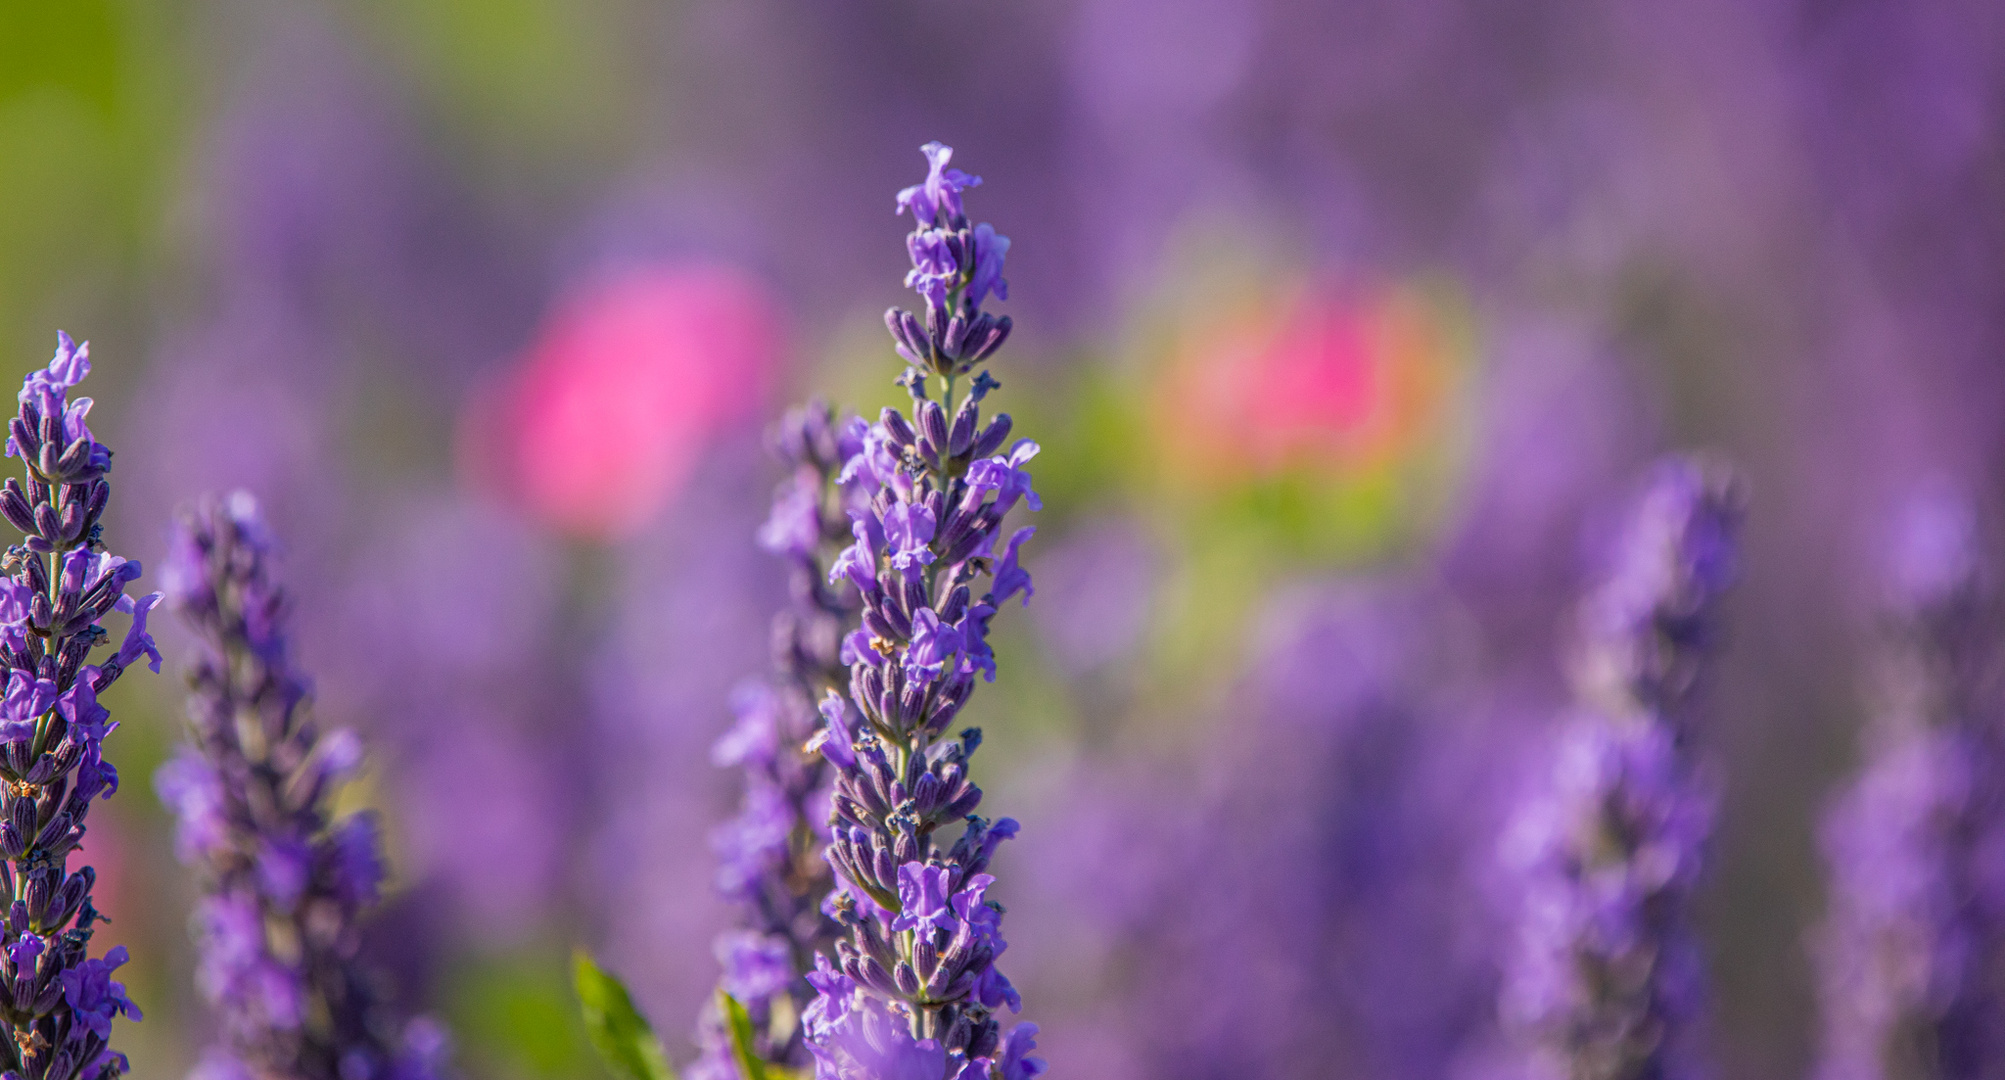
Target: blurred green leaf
(619, 1032)
(739, 1023)
(71, 46)
(518, 1017)
(750, 1065)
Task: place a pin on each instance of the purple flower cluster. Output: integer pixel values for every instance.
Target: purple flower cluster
(1916, 922)
(1605, 980)
(285, 883)
(770, 854)
(914, 990)
(56, 1003)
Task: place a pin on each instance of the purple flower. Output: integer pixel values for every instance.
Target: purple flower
(834, 740)
(752, 846)
(834, 996)
(872, 1042)
(994, 991)
(857, 649)
(940, 193)
(755, 738)
(24, 952)
(92, 995)
(60, 582)
(972, 909)
(756, 966)
(873, 464)
(189, 787)
(62, 452)
(1917, 902)
(284, 867)
(934, 262)
(1015, 1062)
(858, 562)
(26, 700)
(70, 366)
(918, 986)
(234, 928)
(954, 269)
(1005, 476)
(1606, 979)
(933, 644)
(137, 640)
(79, 706)
(909, 528)
(793, 729)
(922, 898)
(15, 596)
(1647, 626)
(794, 528)
(298, 1002)
(357, 860)
(976, 655)
(1010, 576)
(983, 839)
(990, 248)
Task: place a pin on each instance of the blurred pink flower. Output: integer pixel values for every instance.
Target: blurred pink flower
(1315, 373)
(598, 425)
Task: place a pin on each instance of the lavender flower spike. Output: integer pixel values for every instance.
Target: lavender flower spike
(1916, 924)
(913, 990)
(284, 882)
(1605, 981)
(769, 856)
(58, 1003)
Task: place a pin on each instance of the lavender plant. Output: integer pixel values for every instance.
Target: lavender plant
(284, 882)
(58, 1003)
(1605, 982)
(770, 854)
(1910, 948)
(913, 990)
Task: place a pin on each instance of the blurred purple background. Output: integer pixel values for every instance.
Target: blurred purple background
(1344, 327)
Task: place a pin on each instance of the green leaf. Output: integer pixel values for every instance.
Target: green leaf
(739, 1023)
(619, 1032)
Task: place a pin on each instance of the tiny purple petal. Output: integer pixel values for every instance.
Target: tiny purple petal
(933, 645)
(1010, 576)
(941, 191)
(908, 528)
(1005, 477)
(834, 741)
(922, 898)
(990, 248)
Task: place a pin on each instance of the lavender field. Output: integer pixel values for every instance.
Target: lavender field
(925, 540)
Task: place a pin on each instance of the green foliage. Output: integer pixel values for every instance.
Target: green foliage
(739, 1023)
(71, 46)
(750, 1065)
(537, 85)
(617, 1029)
(515, 1017)
(92, 101)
